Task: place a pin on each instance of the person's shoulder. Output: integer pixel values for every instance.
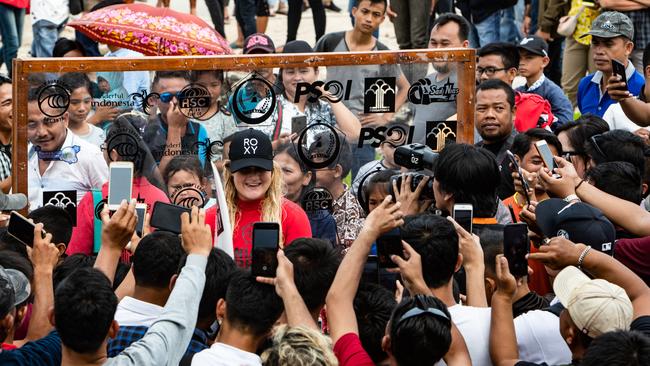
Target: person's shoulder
(42, 352)
(291, 208)
(381, 46)
(329, 41)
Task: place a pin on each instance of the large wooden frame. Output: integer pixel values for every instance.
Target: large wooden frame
(23, 67)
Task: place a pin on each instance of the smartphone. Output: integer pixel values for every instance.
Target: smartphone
(298, 123)
(515, 248)
(619, 69)
(21, 228)
(515, 168)
(120, 183)
(141, 211)
(266, 242)
(167, 217)
(463, 214)
(546, 154)
(389, 244)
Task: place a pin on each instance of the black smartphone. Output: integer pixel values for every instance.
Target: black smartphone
(167, 217)
(298, 123)
(389, 244)
(21, 229)
(463, 214)
(515, 247)
(619, 69)
(515, 168)
(266, 242)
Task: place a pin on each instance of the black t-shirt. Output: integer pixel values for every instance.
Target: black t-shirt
(641, 324)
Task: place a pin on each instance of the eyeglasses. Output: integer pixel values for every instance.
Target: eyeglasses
(488, 70)
(594, 142)
(568, 154)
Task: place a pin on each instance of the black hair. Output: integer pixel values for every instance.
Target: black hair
(156, 260)
(498, 84)
(71, 264)
(521, 144)
(422, 339)
(580, 130)
(385, 2)
(492, 243)
(195, 74)
(321, 144)
(435, 239)
(618, 348)
(373, 306)
(618, 178)
(315, 263)
(170, 75)
(187, 163)
(56, 221)
(84, 307)
(463, 25)
(64, 45)
(458, 169)
(374, 179)
(508, 52)
(252, 307)
(291, 150)
(218, 271)
(12, 260)
(617, 145)
(4, 80)
(76, 80)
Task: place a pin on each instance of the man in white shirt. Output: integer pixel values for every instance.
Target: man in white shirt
(48, 19)
(58, 160)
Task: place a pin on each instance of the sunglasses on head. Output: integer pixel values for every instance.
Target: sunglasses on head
(594, 142)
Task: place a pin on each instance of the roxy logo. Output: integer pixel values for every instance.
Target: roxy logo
(250, 146)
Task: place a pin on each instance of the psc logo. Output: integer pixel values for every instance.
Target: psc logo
(53, 99)
(317, 199)
(395, 135)
(334, 91)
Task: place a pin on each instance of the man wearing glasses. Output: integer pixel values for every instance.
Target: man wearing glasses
(58, 160)
(171, 133)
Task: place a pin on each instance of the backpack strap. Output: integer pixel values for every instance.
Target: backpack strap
(97, 224)
(186, 360)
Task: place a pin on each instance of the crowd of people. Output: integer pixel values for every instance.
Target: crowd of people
(103, 285)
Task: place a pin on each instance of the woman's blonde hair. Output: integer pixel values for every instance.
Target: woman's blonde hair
(271, 204)
(299, 346)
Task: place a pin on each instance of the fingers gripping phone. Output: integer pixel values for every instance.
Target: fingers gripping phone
(515, 168)
(463, 215)
(619, 69)
(22, 229)
(120, 183)
(515, 248)
(141, 211)
(546, 154)
(298, 123)
(389, 244)
(266, 242)
(167, 217)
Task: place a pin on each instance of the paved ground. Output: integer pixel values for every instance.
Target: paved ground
(277, 27)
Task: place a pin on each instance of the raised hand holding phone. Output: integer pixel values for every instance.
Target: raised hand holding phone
(463, 214)
(196, 236)
(22, 229)
(383, 218)
(118, 229)
(516, 246)
(44, 254)
(410, 269)
(266, 243)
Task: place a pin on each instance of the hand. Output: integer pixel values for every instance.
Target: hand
(118, 229)
(565, 184)
(528, 216)
(399, 291)
(525, 26)
(283, 281)
(545, 35)
(644, 134)
(44, 254)
(372, 119)
(532, 180)
(469, 246)
(558, 253)
(384, 218)
(135, 239)
(411, 204)
(195, 233)
(506, 282)
(104, 113)
(617, 88)
(175, 118)
(411, 269)
(391, 13)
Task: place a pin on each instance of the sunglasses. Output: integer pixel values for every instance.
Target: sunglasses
(167, 97)
(594, 142)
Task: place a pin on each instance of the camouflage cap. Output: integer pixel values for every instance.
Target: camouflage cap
(611, 24)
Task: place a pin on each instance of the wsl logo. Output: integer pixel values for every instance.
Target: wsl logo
(379, 95)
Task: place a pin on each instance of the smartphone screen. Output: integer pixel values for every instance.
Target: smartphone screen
(546, 154)
(463, 214)
(266, 242)
(619, 69)
(387, 245)
(21, 229)
(298, 123)
(141, 211)
(515, 248)
(120, 183)
(167, 217)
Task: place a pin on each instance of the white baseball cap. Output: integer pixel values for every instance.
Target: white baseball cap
(596, 306)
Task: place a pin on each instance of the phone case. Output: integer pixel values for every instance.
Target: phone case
(167, 217)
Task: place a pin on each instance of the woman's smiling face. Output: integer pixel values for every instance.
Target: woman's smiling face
(252, 183)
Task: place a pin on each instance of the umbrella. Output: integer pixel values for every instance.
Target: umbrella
(152, 31)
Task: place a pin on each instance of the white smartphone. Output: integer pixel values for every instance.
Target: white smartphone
(463, 215)
(141, 211)
(119, 183)
(546, 154)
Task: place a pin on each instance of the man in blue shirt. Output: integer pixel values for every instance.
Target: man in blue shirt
(611, 38)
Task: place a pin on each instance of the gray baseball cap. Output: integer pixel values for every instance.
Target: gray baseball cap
(611, 24)
(14, 289)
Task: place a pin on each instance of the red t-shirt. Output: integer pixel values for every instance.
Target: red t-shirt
(350, 352)
(295, 224)
(83, 235)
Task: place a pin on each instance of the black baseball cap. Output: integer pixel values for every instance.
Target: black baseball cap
(578, 222)
(250, 148)
(258, 43)
(297, 47)
(535, 45)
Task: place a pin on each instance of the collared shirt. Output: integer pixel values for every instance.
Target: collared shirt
(82, 173)
(194, 142)
(134, 312)
(349, 217)
(128, 335)
(591, 98)
(5, 161)
(536, 84)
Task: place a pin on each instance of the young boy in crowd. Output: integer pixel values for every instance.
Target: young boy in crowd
(533, 58)
(81, 102)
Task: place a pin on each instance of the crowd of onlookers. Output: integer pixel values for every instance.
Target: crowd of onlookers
(105, 286)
